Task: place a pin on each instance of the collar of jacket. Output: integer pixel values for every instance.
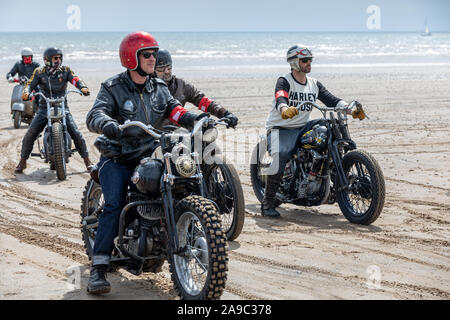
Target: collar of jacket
(125, 77)
(47, 69)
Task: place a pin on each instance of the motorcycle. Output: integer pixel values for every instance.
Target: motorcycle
(166, 217)
(57, 143)
(326, 168)
(21, 110)
(223, 185)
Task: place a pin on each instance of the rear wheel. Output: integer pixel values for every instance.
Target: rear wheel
(224, 188)
(258, 172)
(200, 271)
(59, 158)
(17, 116)
(363, 201)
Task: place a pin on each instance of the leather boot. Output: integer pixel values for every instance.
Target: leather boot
(21, 166)
(87, 163)
(97, 280)
(268, 205)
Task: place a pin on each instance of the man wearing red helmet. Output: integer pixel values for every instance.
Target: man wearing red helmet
(131, 95)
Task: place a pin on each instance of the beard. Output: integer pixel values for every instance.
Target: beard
(305, 69)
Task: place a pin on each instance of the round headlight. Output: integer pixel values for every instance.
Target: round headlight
(210, 135)
(185, 166)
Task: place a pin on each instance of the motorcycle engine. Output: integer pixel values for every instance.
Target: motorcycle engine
(308, 183)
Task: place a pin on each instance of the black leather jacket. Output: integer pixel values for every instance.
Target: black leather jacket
(186, 92)
(52, 86)
(119, 100)
(22, 69)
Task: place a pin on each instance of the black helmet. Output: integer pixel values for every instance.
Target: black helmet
(163, 59)
(147, 176)
(49, 53)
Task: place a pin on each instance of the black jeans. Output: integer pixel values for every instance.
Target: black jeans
(38, 125)
(282, 144)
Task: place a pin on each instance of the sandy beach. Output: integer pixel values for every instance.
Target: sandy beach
(309, 253)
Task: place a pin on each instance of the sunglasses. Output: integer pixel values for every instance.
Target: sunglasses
(56, 58)
(148, 54)
(162, 69)
(305, 60)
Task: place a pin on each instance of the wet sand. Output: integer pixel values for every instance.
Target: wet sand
(309, 253)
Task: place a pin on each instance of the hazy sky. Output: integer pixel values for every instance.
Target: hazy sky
(224, 15)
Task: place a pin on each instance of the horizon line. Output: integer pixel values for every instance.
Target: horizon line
(224, 31)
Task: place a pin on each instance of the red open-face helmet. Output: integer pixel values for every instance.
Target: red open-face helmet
(132, 44)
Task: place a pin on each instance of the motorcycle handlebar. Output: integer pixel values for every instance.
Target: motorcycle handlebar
(151, 131)
(55, 100)
(324, 109)
(143, 126)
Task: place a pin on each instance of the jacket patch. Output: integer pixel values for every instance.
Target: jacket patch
(128, 106)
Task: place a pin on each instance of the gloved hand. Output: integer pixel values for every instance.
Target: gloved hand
(10, 79)
(85, 91)
(232, 119)
(25, 96)
(289, 113)
(111, 130)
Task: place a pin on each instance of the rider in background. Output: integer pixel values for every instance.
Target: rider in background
(186, 92)
(52, 80)
(286, 124)
(24, 67)
(131, 95)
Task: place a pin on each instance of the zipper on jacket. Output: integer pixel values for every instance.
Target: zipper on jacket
(143, 107)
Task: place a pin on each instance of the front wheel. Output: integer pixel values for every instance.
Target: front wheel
(199, 272)
(92, 205)
(59, 158)
(17, 116)
(363, 200)
(224, 188)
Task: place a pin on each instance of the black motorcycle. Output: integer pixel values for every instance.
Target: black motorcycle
(223, 185)
(57, 143)
(327, 167)
(21, 111)
(166, 217)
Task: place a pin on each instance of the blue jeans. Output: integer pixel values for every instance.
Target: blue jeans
(114, 179)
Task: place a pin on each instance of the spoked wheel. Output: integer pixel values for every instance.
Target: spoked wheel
(363, 201)
(59, 158)
(199, 272)
(259, 167)
(91, 207)
(224, 188)
(17, 117)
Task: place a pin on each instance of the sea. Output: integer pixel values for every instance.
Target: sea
(238, 54)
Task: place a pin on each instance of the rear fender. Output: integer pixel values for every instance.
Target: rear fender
(18, 107)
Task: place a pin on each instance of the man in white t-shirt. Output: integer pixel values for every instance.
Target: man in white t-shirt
(285, 123)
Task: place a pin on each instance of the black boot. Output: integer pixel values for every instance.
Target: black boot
(97, 281)
(269, 211)
(268, 205)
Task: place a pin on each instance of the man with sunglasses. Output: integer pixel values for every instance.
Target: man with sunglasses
(52, 81)
(186, 92)
(285, 123)
(133, 95)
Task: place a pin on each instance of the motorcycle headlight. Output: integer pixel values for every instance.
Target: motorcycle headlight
(185, 166)
(210, 135)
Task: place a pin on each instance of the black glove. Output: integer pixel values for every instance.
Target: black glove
(232, 119)
(111, 130)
